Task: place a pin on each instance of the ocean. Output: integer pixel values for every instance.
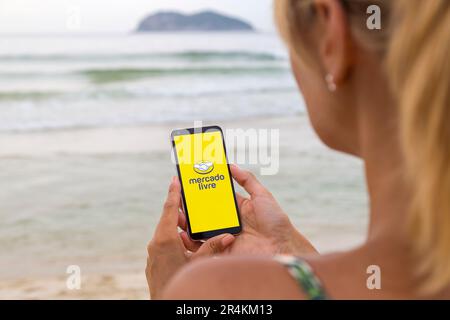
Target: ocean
(64, 82)
(85, 155)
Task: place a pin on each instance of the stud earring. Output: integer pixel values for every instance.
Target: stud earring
(329, 79)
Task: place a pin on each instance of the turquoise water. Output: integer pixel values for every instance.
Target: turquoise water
(56, 82)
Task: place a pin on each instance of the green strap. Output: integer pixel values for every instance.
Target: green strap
(304, 275)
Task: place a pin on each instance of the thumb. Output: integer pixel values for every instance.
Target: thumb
(215, 245)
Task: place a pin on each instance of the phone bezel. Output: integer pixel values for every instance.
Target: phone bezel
(205, 234)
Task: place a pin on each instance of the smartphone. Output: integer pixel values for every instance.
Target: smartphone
(208, 196)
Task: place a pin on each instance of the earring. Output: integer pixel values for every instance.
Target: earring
(329, 79)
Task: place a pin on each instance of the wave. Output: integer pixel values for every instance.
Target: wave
(127, 74)
(106, 94)
(28, 95)
(122, 74)
(183, 55)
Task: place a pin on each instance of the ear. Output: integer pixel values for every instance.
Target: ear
(334, 44)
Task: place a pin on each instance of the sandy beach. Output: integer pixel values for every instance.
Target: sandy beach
(92, 197)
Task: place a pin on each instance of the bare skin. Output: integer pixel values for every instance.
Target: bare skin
(359, 118)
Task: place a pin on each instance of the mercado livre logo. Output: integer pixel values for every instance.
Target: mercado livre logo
(207, 181)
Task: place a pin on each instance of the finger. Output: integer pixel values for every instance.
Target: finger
(243, 203)
(188, 243)
(247, 180)
(215, 245)
(240, 199)
(181, 205)
(169, 217)
(182, 221)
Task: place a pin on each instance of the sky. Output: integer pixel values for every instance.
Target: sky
(115, 16)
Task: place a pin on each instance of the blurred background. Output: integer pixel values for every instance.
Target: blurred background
(89, 92)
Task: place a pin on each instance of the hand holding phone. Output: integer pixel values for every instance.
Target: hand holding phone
(166, 253)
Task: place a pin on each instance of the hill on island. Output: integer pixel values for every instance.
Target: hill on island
(202, 21)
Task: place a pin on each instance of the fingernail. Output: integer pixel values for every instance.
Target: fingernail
(174, 179)
(228, 239)
(235, 167)
(171, 183)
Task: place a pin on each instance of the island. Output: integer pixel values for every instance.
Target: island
(203, 21)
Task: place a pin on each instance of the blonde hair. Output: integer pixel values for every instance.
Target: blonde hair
(415, 45)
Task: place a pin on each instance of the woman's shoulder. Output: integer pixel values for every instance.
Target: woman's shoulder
(331, 276)
(234, 277)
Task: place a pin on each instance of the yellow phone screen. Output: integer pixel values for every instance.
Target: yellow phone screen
(205, 178)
